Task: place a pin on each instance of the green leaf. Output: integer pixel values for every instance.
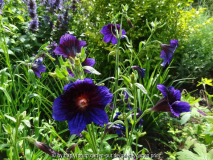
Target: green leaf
(27, 123)
(11, 118)
(110, 136)
(116, 122)
(127, 152)
(32, 77)
(91, 69)
(185, 118)
(6, 94)
(201, 151)
(189, 142)
(141, 87)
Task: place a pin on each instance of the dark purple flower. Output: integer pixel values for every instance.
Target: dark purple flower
(109, 32)
(33, 25)
(81, 103)
(171, 101)
(38, 67)
(140, 71)
(168, 51)
(69, 46)
(117, 127)
(45, 148)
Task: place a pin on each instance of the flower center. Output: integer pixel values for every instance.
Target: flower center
(82, 102)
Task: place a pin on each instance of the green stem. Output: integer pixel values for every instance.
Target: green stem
(118, 36)
(92, 140)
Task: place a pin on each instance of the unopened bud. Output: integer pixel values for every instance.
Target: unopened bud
(45, 148)
(71, 148)
(133, 78)
(77, 61)
(52, 74)
(130, 23)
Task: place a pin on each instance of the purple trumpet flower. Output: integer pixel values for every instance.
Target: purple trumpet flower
(69, 46)
(168, 51)
(140, 71)
(38, 67)
(171, 101)
(109, 32)
(82, 103)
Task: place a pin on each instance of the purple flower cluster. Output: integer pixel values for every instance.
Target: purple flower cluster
(1, 6)
(33, 14)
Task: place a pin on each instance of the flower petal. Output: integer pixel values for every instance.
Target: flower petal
(179, 107)
(60, 111)
(163, 89)
(98, 116)
(162, 106)
(114, 40)
(88, 62)
(37, 73)
(77, 123)
(105, 30)
(107, 38)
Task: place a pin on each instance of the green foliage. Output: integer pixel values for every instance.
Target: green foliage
(201, 153)
(196, 48)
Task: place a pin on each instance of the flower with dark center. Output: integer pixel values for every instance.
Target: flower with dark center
(168, 51)
(69, 46)
(45, 148)
(82, 103)
(109, 32)
(38, 67)
(171, 101)
(140, 71)
(33, 25)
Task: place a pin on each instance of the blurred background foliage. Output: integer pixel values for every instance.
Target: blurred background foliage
(187, 21)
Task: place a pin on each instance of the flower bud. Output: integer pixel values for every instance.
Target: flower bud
(133, 78)
(77, 61)
(52, 74)
(130, 23)
(45, 148)
(71, 148)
